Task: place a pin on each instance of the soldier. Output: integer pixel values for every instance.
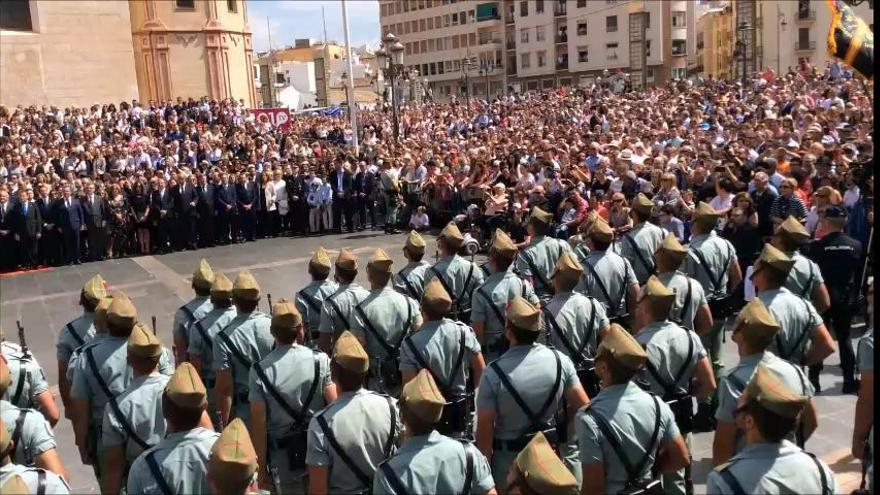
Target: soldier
(677, 367)
(99, 320)
(768, 411)
(350, 437)
(192, 311)
(805, 278)
(16, 478)
(863, 424)
(311, 297)
(337, 310)
(489, 301)
(642, 240)
(608, 276)
(578, 242)
(450, 351)
(458, 276)
(29, 388)
(691, 309)
(530, 388)
(287, 387)
(753, 332)
(233, 462)
(179, 463)
(444, 465)
(245, 340)
(410, 281)
(76, 333)
(538, 469)
(613, 462)
(381, 322)
(133, 422)
(538, 258)
(574, 322)
(798, 320)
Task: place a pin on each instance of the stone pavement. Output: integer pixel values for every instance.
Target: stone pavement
(45, 300)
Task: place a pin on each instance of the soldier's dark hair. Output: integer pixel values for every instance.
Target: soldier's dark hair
(773, 427)
(346, 276)
(539, 228)
(774, 278)
(245, 305)
(87, 304)
(639, 216)
(619, 373)
(414, 255)
(182, 418)
(785, 243)
(415, 425)
(599, 244)
(118, 330)
(286, 335)
(379, 278)
(318, 275)
(221, 302)
(431, 314)
(523, 337)
(201, 291)
(347, 380)
(501, 262)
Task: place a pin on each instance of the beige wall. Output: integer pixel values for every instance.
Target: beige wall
(80, 53)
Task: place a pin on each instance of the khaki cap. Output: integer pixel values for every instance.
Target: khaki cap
(346, 260)
(422, 397)
(601, 231)
(246, 287)
(642, 204)
(774, 395)
(452, 235)
(757, 323)
(142, 343)
(658, 296)
(233, 459)
(380, 261)
(793, 230)
(568, 269)
(775, 259)
(436, 298)
(503, 245)
(541, 217)
(100, 317)
(672, 248)
(122, 312)
(522, 315)
(185, 388)
(542, 470)
(415, 243)
(95, 289)
(623, 347)
(705, 215)
(5, 376)
(285, 314)
(350, 354)
(222, 286)
(15, 485)
(320, 262)
(203, 276)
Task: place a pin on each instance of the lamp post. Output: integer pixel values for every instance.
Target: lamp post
(743, 28)
(486, 69)
(390, 60)
(466, 67)
(780, 17)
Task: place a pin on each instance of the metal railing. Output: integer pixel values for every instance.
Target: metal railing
(802, 47)
(806, 14)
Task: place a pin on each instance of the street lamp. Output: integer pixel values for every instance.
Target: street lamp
(466, 67)
(782, 23)
(486, 69)
(390, 60)
(743, 28)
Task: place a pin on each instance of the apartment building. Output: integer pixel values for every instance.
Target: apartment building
(715, 39)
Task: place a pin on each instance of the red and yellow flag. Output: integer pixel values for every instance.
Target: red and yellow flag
(850, 40)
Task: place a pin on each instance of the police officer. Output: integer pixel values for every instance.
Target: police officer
(753, 331)
(645, 424)
(676, 368)
(443, 465)
(381, 322)
(805, 278)
(839, 258)
(17, 478)
(690, 310)
(179, 463)
(639, 244)
(193, 310)
(538, 258)
(538, 469)
(203, 333)
(76, 333)
(245, 340)
(458, 276)
(799, 323)
(337, 311)
(410, 280)
(489, 300)
(233, 465)
(768, 411)
(134, 423)
(863, 424)
(360, 429)
(29, 388)
(608, 276)
(287, 387)
(574, 323)
(310, 298)
(530, 388)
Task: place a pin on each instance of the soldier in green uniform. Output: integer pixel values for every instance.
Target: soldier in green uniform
(337, 311)
(805, 278)
(530, 388)
(676, 368)
(625, 431)
(639, 244)
(99, 321)
(233, 465)
(310, 298)
(802, 337)
(691, 309)
(179, 463)
(459, 276)
(135, 423)
(539, 257)
(389, 187)
(578, 242)
(608, 276)
(245, 340)
(428, 462)
(287, 387)
(450, 351)
(489, 300)
(17, 478)
(538, 469)
(360, 429)
(76, 333)
(193, 310)
(410, 281)
(863, 423)
(381, 322)
(29, 388)
(753, 331)
(574, 323)
(767, 412)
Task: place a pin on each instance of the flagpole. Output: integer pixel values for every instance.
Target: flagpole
(352, 107)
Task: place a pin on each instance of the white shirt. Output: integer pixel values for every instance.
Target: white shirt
(851, 196)
(418, 220)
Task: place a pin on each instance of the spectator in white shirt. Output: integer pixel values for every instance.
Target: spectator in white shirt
(419, 220)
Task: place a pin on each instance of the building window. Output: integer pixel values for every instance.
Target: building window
(679, 73)
(647, 20)
(462, 18)
(186, 4)
(583, 54)
(16, 15)
(523, 8)
(547, 83)
(679, 19)
(611, 24)
(581, 4)
(539, 6)
(232, 5)
(525, 60)
(542, 59)
(423, 24)
(524, 35)
(679, 47)
(647, 48)
(539, 34)
(582, 28)
(611, 51)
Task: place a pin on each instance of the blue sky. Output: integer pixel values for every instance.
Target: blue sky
(290, 19)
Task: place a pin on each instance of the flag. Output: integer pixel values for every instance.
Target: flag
(850, 40)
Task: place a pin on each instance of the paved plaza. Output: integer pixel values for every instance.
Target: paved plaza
(45, 300)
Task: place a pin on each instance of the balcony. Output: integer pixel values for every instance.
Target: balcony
(804, 46)
(562, 64)
(489, 41)
(510, 45)
(806, 15)
(560, 10)
(511, 69)
(488, 12)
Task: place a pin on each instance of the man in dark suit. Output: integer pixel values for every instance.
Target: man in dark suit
(163, 203)
(69, 223)
(187, 201)
(50, 243)
(7, 241)
(225, 206)
(95, 209)
(342, 183)
(205, 211)
(297, 192)
(28, 229)
(245, 198)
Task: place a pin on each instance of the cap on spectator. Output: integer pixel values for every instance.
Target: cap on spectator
(542, 470)
(142, 343)
(222, 286)
(285, 315)
(233, 460)
(346, 260)
(642, 204)
(95, 289)
(835, 212)
(415, 243)
(522, 315)
(246, 287)
(568, 269)
(452, 236)
(672, 248)
(350, 354)
(320, 262)
(622, 347)
(185, 388)
(203, 276)
(435, 297)
(601, 231)
(773, 394)
(792, 230)
(380, 262)
(541, 217)
(757, 323)
(625, 155)
(122, 312)
(421, 397)
(502, 245)
(775, 259)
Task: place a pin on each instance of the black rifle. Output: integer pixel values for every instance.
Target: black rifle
(269, 299)
(22, 341)
(153, 321)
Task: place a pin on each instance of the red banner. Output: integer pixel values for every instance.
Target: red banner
(278, 117)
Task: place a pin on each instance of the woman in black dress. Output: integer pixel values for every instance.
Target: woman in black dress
(140, 209)
(120, 222)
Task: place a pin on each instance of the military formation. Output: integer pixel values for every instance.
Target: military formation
(566, 367)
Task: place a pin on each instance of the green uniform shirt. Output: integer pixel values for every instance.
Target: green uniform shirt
(390, 314)
(83, 330)
(73, 364)
(36, 434)
(499, 288)
(208, 326)
(251, 339)
(667, 346)
(55, 484)
(718, 253)
(684, 311)
(141, 406)
(309, 299)
(438, 343)
(772, 468)
(804, 276)
(573, 313)
(339, 318)
(615, 274)
(865, 360)
(797, 317)
(199, 307)
(410, 281)
(543, 253)
(23, 369)
(461, 277)
(182, 459)
(646, 238)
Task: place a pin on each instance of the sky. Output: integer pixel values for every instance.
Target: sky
(291, 19)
